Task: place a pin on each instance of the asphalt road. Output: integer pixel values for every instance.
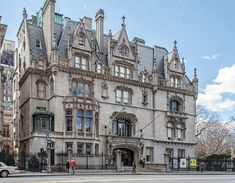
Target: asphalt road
(123, 179)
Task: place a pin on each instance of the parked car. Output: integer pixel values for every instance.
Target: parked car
(6, 170)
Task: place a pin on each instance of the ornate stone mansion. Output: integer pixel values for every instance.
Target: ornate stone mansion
(95, 93)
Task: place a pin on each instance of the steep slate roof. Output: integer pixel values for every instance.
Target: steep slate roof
(67, 31)
(36, 33)
(145, 54)
(159, 54)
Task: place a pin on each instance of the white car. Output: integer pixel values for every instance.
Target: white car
(6, 170)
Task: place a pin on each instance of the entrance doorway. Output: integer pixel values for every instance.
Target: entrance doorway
(127, 156)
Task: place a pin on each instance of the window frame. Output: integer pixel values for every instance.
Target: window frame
(79, 62)
(69, 117)
(170, 130)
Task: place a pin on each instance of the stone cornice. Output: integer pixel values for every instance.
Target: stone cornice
(93, 74)
(175, 142)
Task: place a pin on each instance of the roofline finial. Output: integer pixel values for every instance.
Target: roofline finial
(123, 21)
(25, 13)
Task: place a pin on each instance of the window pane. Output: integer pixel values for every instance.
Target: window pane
(118, 95)
(122, 72)
(88, 121)
(77, 62)
(81, 89)
(116, 70)
(125, 97)
(80, 119)
(127, 73)
(84, 64)
(80, 148)
(99, 68)
(87, 90)
(74, 88)
(88, 148)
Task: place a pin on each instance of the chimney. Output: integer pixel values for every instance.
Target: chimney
(99, 18)
(49, 24)
(87, 21)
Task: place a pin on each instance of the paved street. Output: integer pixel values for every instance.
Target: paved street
(123, 178)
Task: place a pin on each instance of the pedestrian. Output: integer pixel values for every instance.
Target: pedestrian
(134, 167)
(67, 166)
(73, 165)
(202, 166)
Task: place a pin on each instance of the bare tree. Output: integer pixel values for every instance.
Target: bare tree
(213, 135)
(214, 140)
(204, 120)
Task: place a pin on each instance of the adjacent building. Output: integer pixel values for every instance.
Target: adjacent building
(95, 93)
(7, 63)
(3, 29)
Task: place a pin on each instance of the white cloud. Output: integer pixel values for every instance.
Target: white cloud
(215, 97)
(211, 57)
(84, 6)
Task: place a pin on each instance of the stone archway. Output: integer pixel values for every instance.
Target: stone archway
(129, 153)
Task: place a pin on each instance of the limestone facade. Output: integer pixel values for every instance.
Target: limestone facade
(98, 93)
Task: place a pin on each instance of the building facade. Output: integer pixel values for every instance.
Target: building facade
(7, 63)
(95, 93)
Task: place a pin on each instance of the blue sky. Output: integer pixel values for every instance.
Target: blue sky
(204, 30)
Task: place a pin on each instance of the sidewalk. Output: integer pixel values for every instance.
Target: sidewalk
(114, 172)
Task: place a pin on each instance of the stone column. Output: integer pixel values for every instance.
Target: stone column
(69, 153)
(119, 160)
(48, 160)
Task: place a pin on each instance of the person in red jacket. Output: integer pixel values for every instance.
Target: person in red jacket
(73, 164)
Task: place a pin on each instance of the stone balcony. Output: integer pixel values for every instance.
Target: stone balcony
(176, 114)
(125, 140)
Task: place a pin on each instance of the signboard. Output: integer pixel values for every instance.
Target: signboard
(193, 163)
(183, 163)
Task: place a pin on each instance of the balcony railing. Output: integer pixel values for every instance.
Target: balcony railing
(129, 140)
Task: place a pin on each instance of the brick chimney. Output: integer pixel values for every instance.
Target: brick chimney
(99, 18)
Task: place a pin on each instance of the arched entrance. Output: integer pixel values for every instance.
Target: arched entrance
(127, 156)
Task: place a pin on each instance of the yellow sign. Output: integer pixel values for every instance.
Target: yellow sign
(193, 163)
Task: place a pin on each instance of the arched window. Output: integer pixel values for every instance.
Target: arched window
(69, 120)
(175, 106)
(122, 127)
(180, 131)
(170, 130)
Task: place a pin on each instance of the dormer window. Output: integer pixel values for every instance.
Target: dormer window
(38, 44)
(81, 62)
(144, 78)
(122, 71)
(175, 82)
(81, 39)
(99, 68)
